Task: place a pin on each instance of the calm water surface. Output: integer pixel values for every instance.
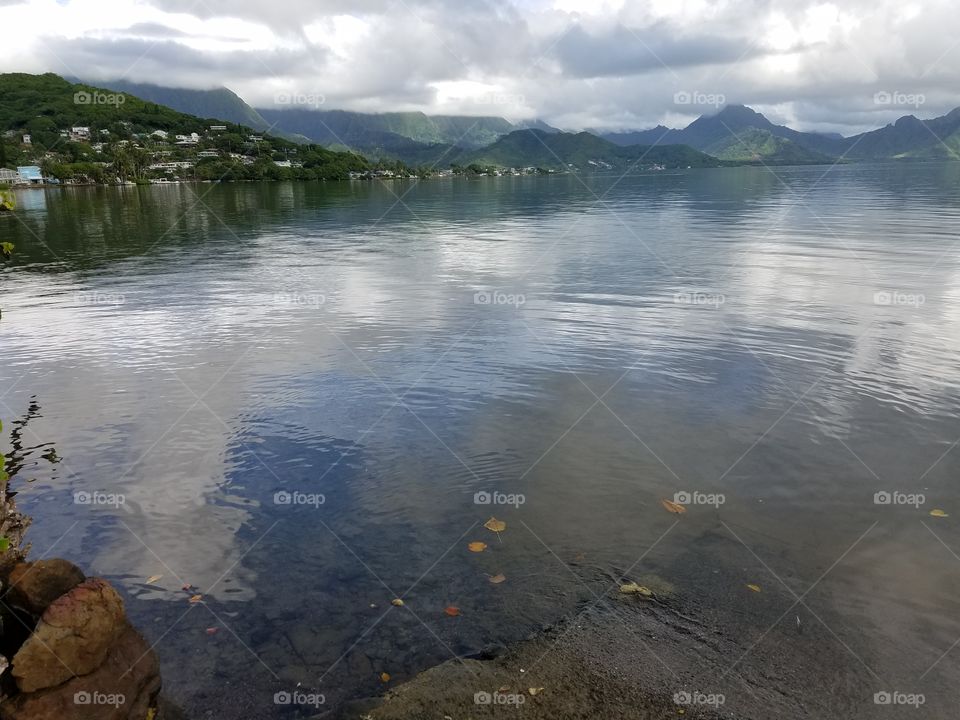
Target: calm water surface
(789, 341)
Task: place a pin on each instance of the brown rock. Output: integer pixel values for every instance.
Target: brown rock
(124, 687)
(73, 637)
(33, 586)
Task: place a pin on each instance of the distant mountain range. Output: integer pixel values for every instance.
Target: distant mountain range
(735, 134)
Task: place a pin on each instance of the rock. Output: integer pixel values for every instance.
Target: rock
(33, 586)
(73, 637)
(124, 687)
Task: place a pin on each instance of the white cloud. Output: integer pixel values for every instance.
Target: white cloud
(603, 63)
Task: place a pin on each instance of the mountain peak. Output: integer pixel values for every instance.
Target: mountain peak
(742, 114)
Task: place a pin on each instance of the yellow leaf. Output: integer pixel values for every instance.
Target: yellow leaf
(495, 525)
(755, 588)
(497, 579)
(397, 601)
(534, 691)
(153, 578)
(673, 507)
(631, 588)
(151, 714)
(477, 546)
(196, 598)
(384, 677)
(938, 513)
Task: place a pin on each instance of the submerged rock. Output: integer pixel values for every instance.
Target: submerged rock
(73, 637)
(34, 586)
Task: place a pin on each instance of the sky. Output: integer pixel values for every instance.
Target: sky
(606, 64)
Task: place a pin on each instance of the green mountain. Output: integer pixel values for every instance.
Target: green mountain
(581, 151)
(219, 103)
(741, 134)
(361, 130)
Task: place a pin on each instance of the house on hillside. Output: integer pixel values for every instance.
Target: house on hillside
(218, 128)
(161, 134)
(208, 154)
(191, 139)
(80, 134)
(30, 175)
(27, 140)
(10, 177)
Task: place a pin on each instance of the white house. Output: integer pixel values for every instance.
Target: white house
(27, 140)
(10, 177)
(208, 154)
(80, 133)
(218, 128)
(162, 134)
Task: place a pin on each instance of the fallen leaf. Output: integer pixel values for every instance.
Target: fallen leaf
(477, 546)
(498, 578)
(187, 587)
(755, 588)
(631, 588)
(938, 513)
(212, 631)
(495, 525)
(151, 714)
(673, 507)
(196, 598)
(385, 677)
(534, 691)
(397, 601)
(452, 611)
(153, 578)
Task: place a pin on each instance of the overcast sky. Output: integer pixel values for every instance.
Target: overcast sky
(612, 64)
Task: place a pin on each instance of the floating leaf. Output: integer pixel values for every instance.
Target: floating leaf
(938, 513)
(673, 507)
(212, 630)
(631, 588)
(477, 546)
(498, 578)
(196, 598)
(535, 691)
(755, 588)
(397, 601)
(452, 611)
(4, 544)
(384, 677)
(153, 578)
(495, 525)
